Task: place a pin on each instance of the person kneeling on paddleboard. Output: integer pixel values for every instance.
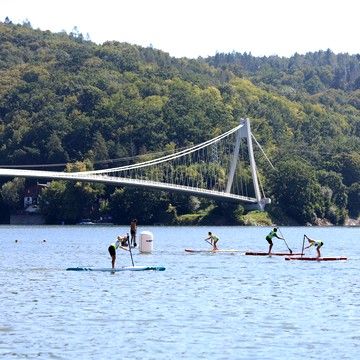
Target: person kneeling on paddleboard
(213, 240)
(121, 242)
(317, 243)
(270, 236)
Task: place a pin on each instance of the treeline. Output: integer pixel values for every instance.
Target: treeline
(312, 72)
(65, 100)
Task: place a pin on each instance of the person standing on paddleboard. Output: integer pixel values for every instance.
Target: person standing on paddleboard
(270, 236)
(317, 243)
(213, 240)
(121, 242)
(133, 228)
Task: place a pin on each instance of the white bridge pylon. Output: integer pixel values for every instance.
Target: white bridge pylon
(214, 169)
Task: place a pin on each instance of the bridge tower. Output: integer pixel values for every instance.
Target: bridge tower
(244, 132)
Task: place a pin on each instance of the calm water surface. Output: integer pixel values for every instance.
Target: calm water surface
(204, 306)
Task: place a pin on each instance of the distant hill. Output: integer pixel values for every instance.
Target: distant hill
(65, 99)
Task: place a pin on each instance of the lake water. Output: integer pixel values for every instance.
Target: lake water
(203, 306)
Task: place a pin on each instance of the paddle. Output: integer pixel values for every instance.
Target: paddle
(208, 242)
(302, 249)
(285, 241)
(130, 251)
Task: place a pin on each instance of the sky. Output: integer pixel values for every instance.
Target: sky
(193, 28)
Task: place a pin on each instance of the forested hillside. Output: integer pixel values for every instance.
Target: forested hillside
(65, 100)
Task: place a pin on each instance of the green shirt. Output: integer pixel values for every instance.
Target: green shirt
(271, 235)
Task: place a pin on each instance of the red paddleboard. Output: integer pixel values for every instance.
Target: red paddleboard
(316, 259)
(271, 254)
(212, 251)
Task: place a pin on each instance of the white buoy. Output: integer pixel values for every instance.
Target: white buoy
(146, 242)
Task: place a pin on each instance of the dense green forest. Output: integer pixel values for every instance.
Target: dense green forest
(75, 105)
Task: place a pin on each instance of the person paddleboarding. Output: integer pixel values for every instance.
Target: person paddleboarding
(317, 243)
(213, 240)
(121, 242)
(270, 236)
(133, 229)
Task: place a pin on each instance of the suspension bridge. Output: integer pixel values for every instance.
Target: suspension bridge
(222, 168)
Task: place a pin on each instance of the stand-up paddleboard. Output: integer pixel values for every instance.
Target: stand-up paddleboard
(261, 253)
(212, 251)
(125, 268)
(316, 258)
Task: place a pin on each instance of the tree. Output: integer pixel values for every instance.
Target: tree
(71, 201)
(89, 97)
(99, 149)
(354, 200)
(4, 212)
(334, 181)
(55, 150)
(183, 203)
(349, 165)
(296, 190)
(81, 200)
(223, 213)
(51, 202)
(147, 206)
(12, 193)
